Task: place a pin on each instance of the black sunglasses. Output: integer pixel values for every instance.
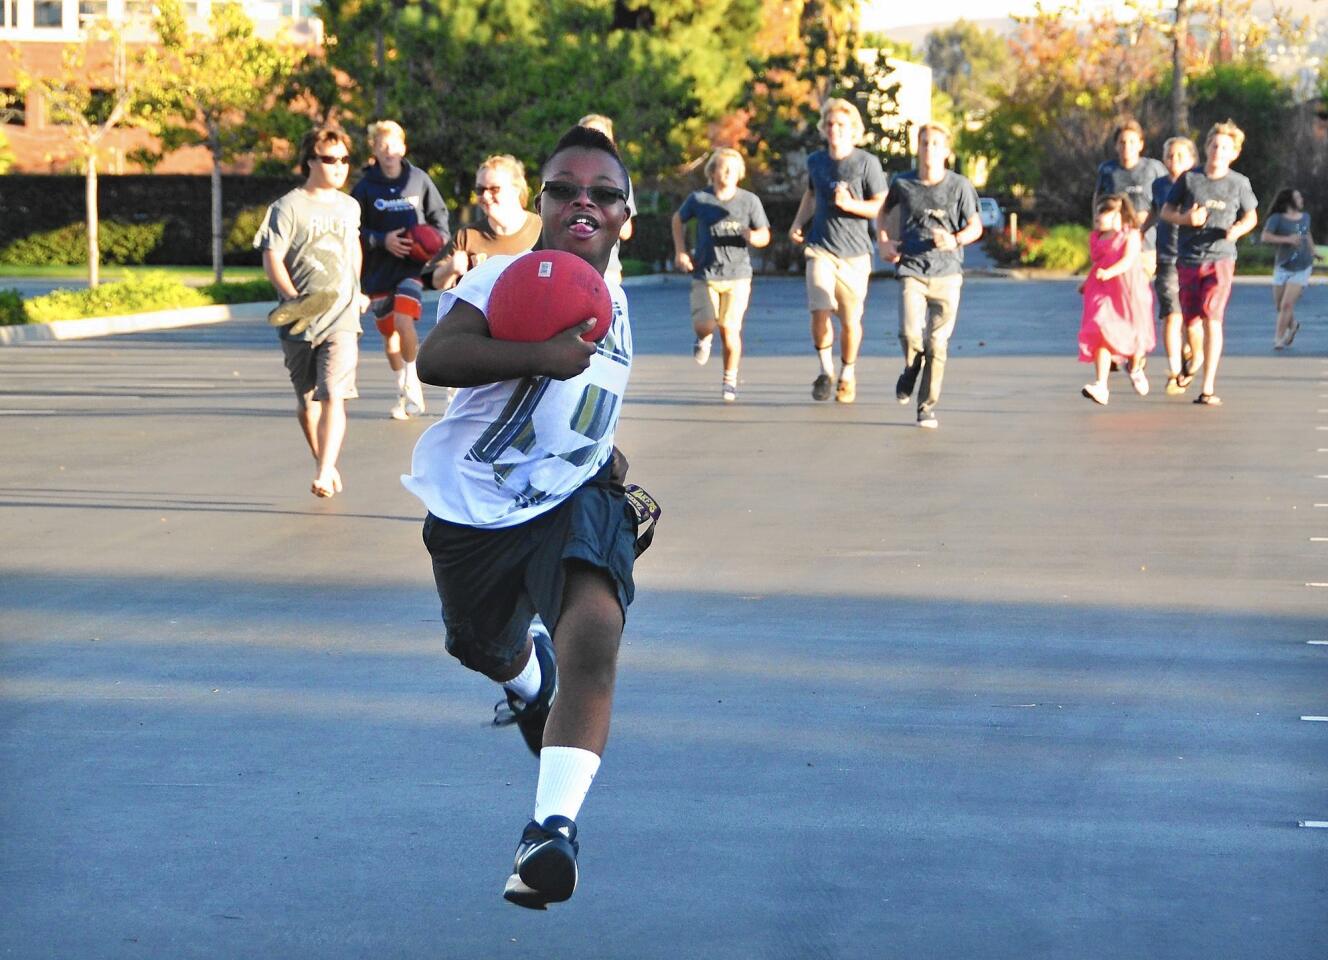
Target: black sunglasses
(563, 191)
(324, 158)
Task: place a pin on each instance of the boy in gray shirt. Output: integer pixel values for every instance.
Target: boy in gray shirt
(310, 240)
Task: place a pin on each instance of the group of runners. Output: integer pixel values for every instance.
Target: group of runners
(531, 527)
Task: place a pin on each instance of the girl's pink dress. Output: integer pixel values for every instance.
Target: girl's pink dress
(1118, 313)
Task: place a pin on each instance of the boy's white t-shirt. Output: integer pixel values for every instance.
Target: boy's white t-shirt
(506, 452)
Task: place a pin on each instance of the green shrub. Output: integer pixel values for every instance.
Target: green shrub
(12, 309)
(138, 294)
(239, 291)
(120, 243)
(1065, 248)
(240, 232)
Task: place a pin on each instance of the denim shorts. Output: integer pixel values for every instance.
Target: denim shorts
(1301, 278)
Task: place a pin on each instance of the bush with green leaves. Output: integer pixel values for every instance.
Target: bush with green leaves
(139, 294)
(121, 243)
(12, 309)
(1065, 248)
(240, 235)
(239, 291)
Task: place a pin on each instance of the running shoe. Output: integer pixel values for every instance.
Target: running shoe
(544, 869)
(904, 386)
(927, 420)
(847, 391)
(531, 717)
(1139, 380)
(701, 350)
(401, 409)
(729, 392)
(822, 387)
(1097, 392)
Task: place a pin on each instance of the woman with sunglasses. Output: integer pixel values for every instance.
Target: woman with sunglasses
(506, 227)
(527, 513)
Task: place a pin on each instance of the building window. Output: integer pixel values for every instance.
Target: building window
(11, 107)
(48, 13)
(9, 14)
(92, 10)
(138, 9)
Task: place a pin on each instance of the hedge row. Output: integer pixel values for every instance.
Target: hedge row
(138, 294)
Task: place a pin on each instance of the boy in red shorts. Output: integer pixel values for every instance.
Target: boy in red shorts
(1213, 207)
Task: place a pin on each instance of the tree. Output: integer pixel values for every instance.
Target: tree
(95, 91)
(213, 87)
(970, 65)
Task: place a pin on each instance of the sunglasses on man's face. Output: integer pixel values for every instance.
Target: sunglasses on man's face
(563, 191)
(330, 161)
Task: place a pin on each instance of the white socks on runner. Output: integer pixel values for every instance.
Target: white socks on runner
(565, 775)
(846, 372)
(403, 377)
(526, 684)
(827, 359)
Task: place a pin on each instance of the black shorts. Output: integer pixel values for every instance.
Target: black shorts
(491, 582)
(1166, 284)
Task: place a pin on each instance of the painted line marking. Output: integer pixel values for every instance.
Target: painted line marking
(1316, 584)
(27, 413)
(1318, 539)
(1316, 719)
(1315, 824)
(1317, 643)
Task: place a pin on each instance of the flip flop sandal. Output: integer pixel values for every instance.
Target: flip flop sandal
(1208, 400)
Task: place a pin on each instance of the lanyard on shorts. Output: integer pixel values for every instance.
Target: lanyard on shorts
(647, 511)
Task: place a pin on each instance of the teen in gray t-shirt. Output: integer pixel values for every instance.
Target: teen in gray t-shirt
(949, 205)
(1292, 257)
(317, 240)
(721, 244)
(1287, 230)
(842, 234)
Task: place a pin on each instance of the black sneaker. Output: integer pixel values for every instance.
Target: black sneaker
(531, 717)
(904, 386)
(822, 387)
(544, 870)
(927, 420)
(301, 311)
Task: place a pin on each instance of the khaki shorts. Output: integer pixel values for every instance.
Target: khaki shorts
(722, 302)
(838, 284)
(323, 371)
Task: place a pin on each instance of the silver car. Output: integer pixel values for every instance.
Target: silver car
(990, 213)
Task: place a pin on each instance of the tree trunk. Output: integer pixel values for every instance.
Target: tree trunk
(380, 92)
(1180, 113)
(214, 144)
(90, 205)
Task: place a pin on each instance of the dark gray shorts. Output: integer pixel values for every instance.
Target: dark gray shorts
(491, 582)
(325, 371)
(1166, 284)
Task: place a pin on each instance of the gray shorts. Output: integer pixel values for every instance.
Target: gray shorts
(323, 371)
(492, 582)
(1166, 284)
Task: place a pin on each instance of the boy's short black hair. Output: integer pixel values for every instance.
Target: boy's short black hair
(587, 138)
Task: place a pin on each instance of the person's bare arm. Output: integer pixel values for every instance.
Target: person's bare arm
(1243, 226)
(459, 352)
(1132, 247)
(805, 208)
(759, 237)
(867, 209)
(275, 268)
(681, 258)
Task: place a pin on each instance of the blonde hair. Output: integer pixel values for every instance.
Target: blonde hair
(1226, 128)
(597, 121)
(1185, 142)
(936, 127)
(845, 107)
(505, 161)
(721, 154)
(384, 129)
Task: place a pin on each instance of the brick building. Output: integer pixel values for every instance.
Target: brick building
(34, 35)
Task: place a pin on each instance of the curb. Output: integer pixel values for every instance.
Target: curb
(130, 323)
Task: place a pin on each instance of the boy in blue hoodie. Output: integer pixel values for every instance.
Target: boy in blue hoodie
(395, 196)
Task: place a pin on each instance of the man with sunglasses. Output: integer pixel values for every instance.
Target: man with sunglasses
(527, 510)
(395, 196)
(311, 253)
(507, 227)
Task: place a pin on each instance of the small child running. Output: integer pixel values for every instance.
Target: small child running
(1118, 303)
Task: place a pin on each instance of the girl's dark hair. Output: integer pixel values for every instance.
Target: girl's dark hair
(1283, 201)
(1113, 202)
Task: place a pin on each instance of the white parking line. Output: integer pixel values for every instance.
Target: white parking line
(1316, 719)
(1316, 584)
(1316, 824)
(1317, 643)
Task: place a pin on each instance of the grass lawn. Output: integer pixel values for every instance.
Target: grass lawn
(192, 276)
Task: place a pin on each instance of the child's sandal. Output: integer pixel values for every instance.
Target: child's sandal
(1208, 400)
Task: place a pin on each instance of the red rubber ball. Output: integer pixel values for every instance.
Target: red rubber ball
(542, 293)
(425, 242)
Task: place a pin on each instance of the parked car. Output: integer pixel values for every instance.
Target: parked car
(991, 214)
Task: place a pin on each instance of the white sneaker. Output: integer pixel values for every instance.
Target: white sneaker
(401, 409)
(729, 392)
(701, 350)
(1097, 392)
(1139, 380)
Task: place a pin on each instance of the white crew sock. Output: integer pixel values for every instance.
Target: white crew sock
(827, 361)
(526, 684)
(565, 775)
(402, 374)
(846, 372)
(412, 377)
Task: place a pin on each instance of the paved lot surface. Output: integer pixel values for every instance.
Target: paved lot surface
(1030, 686)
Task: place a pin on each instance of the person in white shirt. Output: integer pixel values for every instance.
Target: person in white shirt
(529, 524)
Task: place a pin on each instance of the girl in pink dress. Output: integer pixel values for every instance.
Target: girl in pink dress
(1118, 301)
